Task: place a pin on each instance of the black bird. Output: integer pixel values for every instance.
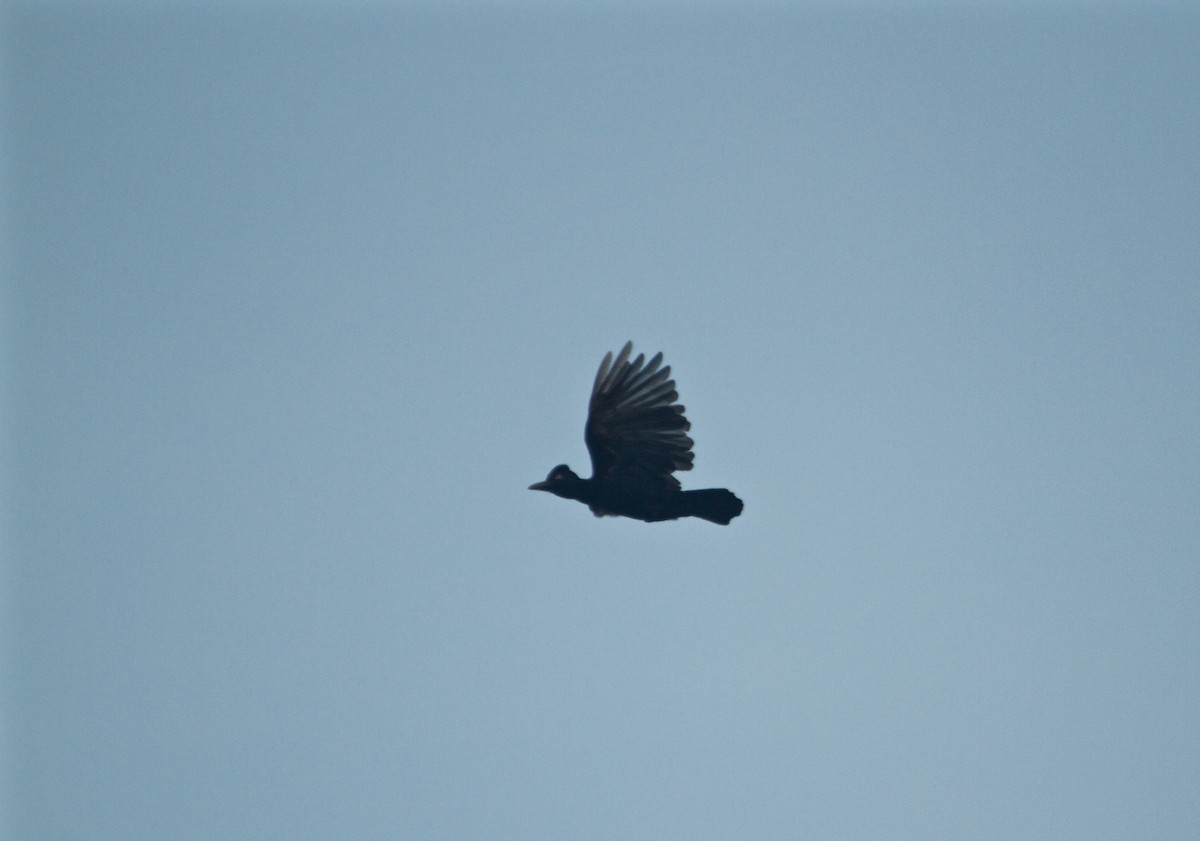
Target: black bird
(637, 437)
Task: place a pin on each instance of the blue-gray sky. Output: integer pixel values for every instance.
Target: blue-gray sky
(297, 304)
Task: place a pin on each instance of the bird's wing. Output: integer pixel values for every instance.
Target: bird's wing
(635, 430)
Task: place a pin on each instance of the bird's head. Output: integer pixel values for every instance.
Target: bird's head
(562, 481)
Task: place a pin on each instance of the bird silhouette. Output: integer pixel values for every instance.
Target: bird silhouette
(637, 437)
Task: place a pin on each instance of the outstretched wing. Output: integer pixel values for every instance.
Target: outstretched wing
(635, 430)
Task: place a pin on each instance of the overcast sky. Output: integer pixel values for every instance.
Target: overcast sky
(297, 304)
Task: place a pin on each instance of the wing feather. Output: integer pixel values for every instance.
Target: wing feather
(635, 429)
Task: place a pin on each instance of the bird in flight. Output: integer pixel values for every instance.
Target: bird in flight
(637, 437)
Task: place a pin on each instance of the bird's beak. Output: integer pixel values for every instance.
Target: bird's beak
(539, 486)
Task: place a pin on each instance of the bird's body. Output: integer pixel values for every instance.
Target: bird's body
(637, 437)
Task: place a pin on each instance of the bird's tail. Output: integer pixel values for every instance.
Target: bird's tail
(716, 505)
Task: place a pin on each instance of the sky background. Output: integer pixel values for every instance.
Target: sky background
(298, 303)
